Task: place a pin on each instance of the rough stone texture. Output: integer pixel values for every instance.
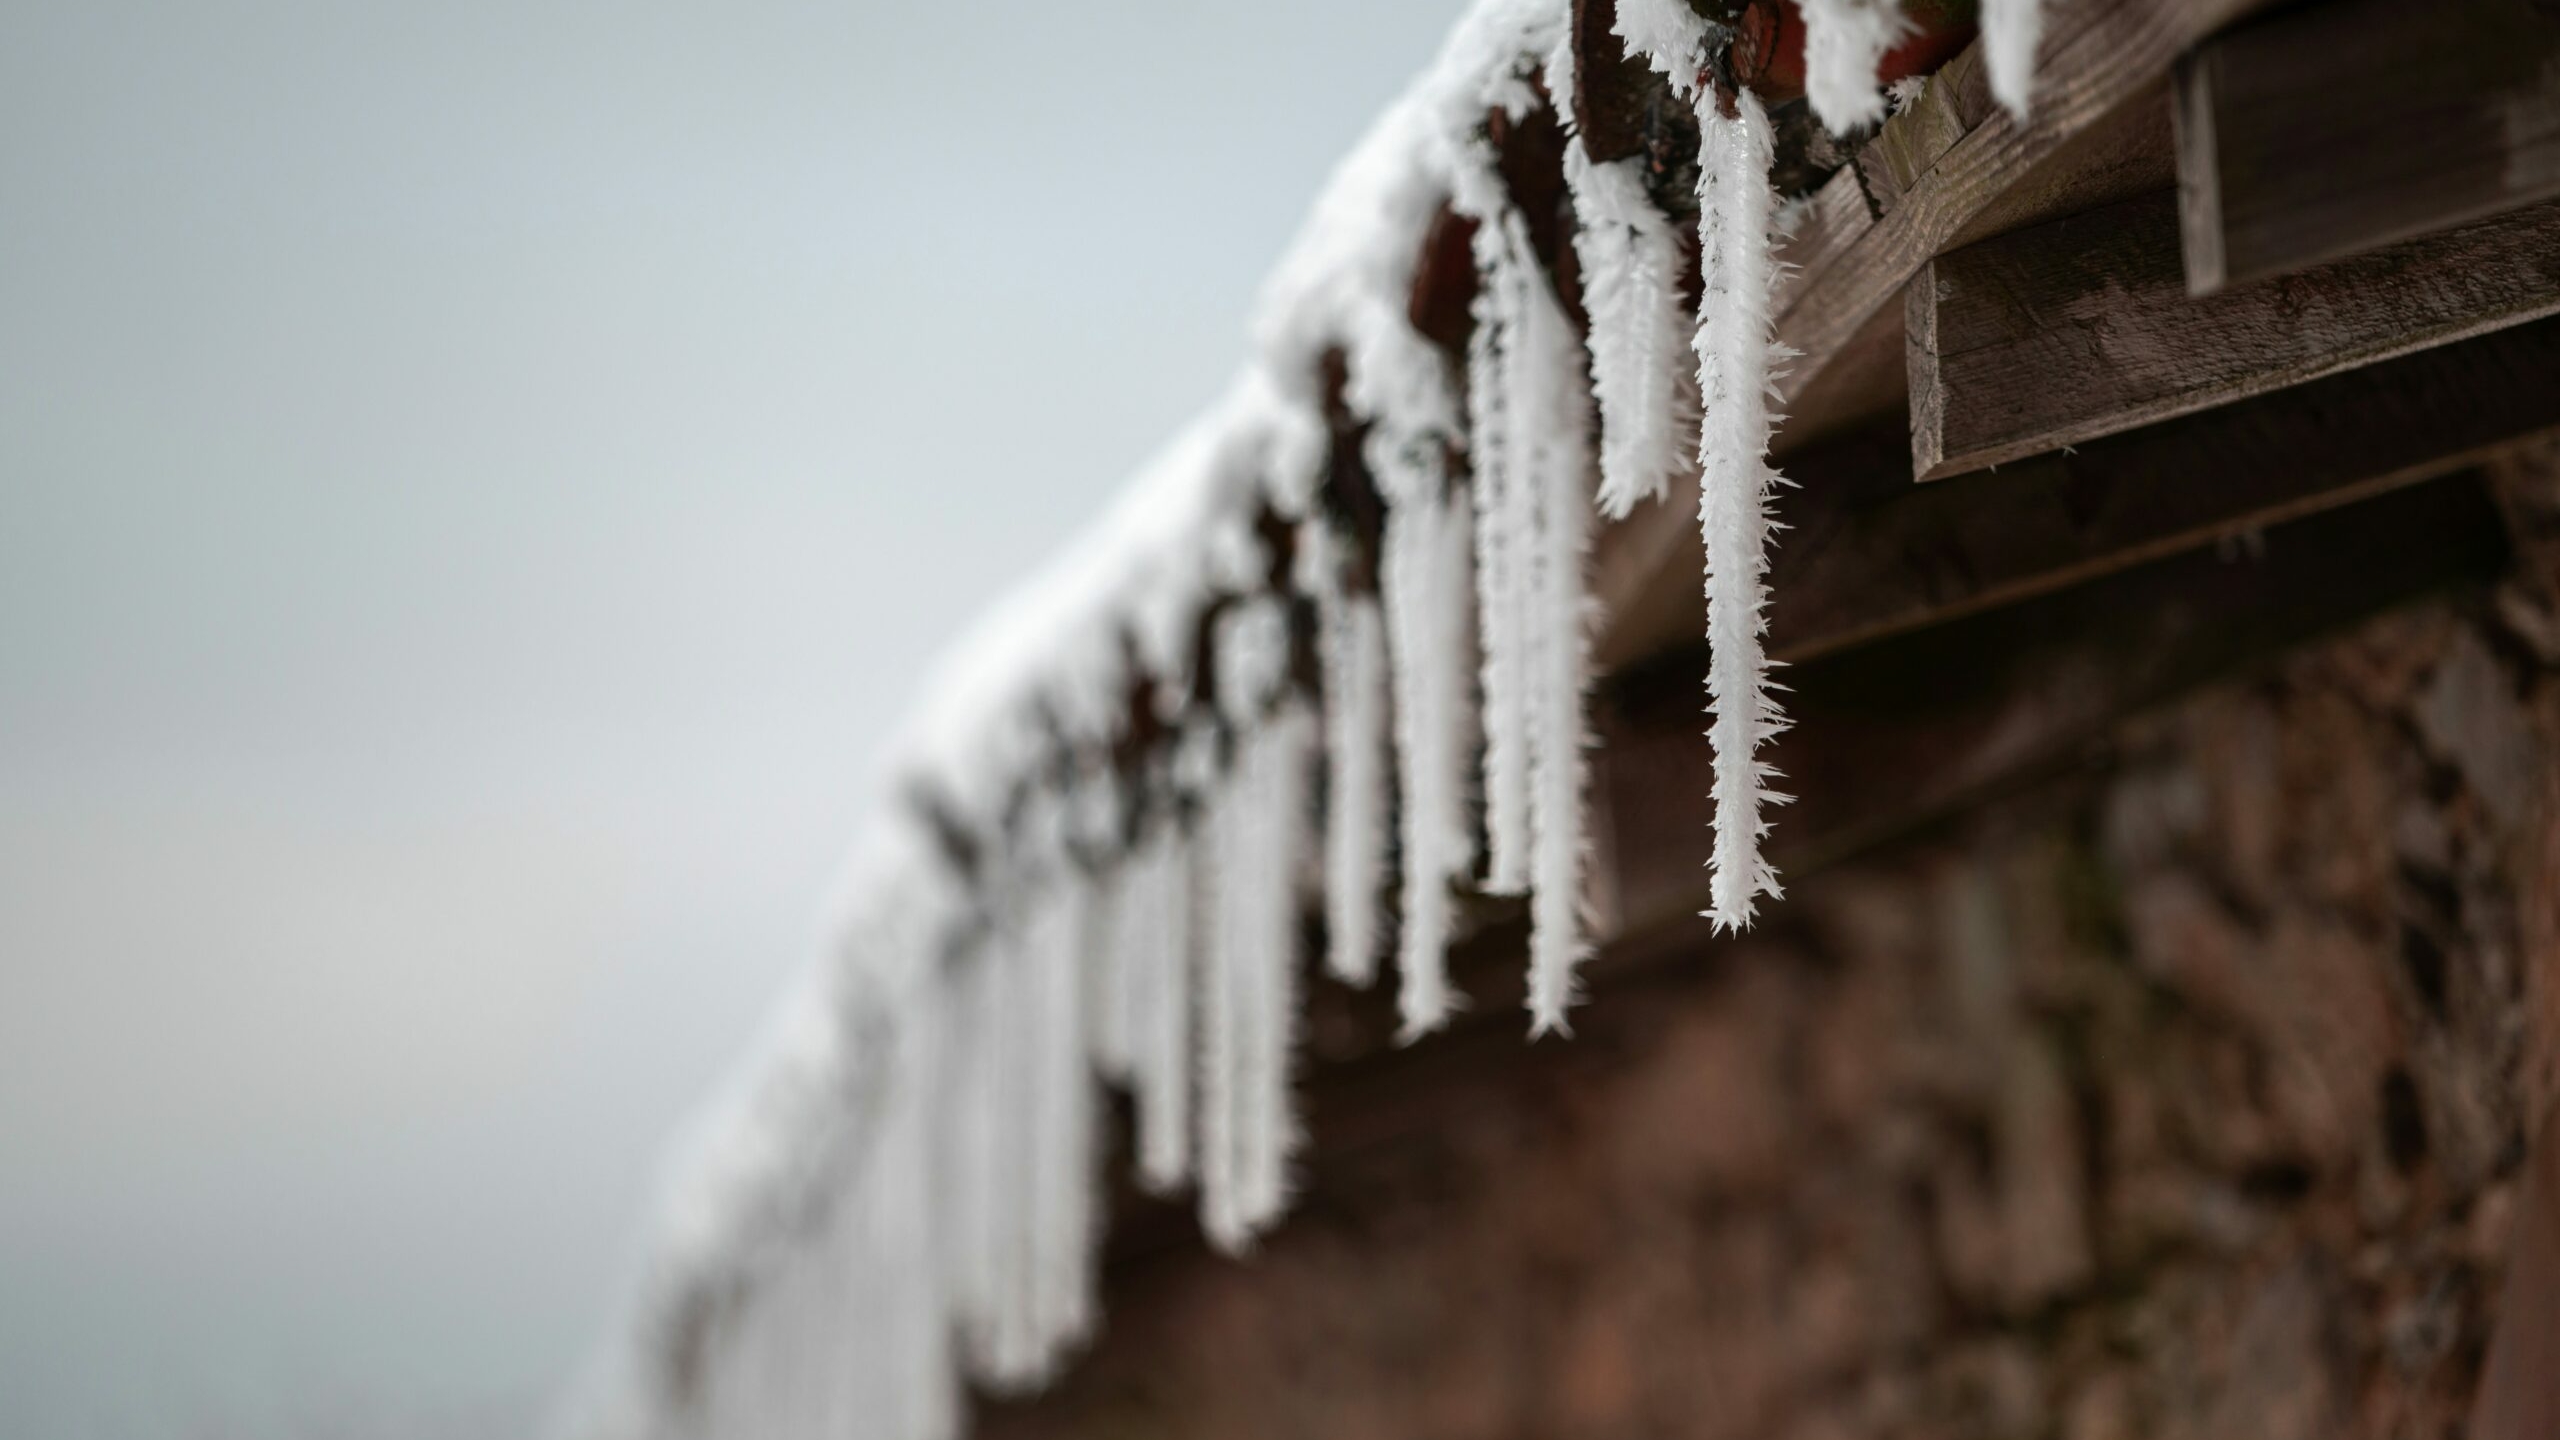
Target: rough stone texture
(2181, 1096)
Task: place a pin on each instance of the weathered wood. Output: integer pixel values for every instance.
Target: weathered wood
(2099, 133)
(1891, 734)
(2332, 129)
(2082, 327)
(1868, 555)
(2519, 1396)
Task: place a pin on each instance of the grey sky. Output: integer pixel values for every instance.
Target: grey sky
(476, 482)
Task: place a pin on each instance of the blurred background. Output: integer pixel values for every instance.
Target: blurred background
(477, 482)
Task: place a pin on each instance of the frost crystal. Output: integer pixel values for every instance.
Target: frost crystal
(1734, 352)
(1844, 44)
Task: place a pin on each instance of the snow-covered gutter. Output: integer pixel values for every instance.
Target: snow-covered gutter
(1096, 864)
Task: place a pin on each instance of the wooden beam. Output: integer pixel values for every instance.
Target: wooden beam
(2082, 327)
(2099, 132)
(1891, 735)
(1868, 555)
(2333, 129)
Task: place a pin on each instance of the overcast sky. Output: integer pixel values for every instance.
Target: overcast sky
(477, 481)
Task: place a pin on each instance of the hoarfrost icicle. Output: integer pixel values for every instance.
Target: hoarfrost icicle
(1257, 834)
(1631, 286)
(1428, 587)
(1353, 642)
(2011, 31)
(1553, 405)
(1735, 352)
(1669, 35)
(908, 1324)
(1100, 823)
(1155, 906)
(1065, 1176)
(1630, 261)
(1844, 45)
(1506, 516)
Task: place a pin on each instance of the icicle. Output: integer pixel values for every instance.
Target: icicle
(2011, 31)
(1222, 1014)
(1553, 402)
(1844, 45)
(1013, 1360)
(1160, 1013)
(1631, 287)
(1669, 35)
(1735, 352)
(1352, 647)
(1249, 1011)
(1630, 260)
(1275, 780)
(1428, 588)
(905, 1328)
(1065, 1176)
(1506, 515)
(1100, 825)
(976, 1135)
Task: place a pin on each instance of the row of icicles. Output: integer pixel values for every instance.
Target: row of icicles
(1148, 925)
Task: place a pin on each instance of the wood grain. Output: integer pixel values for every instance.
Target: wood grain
(2336, 128)
(2083, 327)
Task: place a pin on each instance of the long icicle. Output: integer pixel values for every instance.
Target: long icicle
(1630, 260)
(1250, 1004)
(1066, 1177)
(1429, 587)
(1553, 400)
(1351, 643)
(1160, 894)
(1735, 352)
(1274, 783)
(1505, 510)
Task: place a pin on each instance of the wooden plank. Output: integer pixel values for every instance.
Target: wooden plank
(2082, 327)
(1866, 554)
(2519, 1395)
(1855, 566)
(1889, 736)
(2100, 132)
(2333, 129)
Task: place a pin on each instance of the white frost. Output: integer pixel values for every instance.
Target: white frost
(2011, 31)
(1351, 643)
(1630, 257)
(1506, 519)
(1844, 45)
(1735, 353)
